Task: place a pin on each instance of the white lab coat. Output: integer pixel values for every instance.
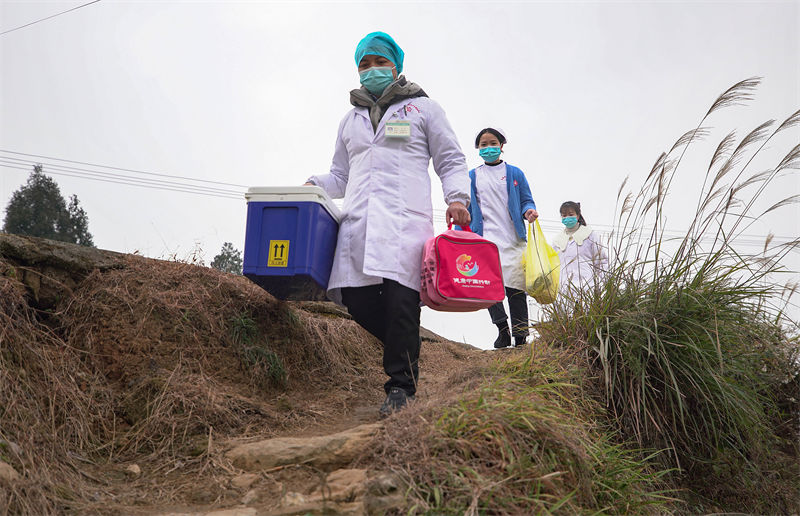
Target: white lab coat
(491, 188)
(583, 258)
(387, 213)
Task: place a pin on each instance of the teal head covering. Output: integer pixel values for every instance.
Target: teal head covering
(380, 44)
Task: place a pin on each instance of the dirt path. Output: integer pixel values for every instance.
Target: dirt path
(306, 467)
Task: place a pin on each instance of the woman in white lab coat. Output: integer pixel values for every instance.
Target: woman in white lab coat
(380, 167)
(583, 259)
(500, 202)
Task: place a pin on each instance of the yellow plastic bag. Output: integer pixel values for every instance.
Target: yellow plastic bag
(541, 267)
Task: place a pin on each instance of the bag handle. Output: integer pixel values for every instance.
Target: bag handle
(535, 243)
(463, 228)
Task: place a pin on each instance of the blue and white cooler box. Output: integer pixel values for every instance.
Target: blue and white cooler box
(290, 240)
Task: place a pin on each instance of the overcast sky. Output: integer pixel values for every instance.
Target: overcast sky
(251, 94)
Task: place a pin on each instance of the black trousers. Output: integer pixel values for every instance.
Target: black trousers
(390, 312)
(518, 304)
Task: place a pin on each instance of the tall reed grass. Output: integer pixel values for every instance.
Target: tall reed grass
(690, 336)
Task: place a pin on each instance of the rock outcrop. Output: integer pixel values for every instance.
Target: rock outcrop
(51, 269)
(327, 451)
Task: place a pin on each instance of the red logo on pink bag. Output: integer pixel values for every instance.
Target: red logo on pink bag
(466, 265)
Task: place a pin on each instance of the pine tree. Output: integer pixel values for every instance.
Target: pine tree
(77, 223)
(38, 209)
(228, 260)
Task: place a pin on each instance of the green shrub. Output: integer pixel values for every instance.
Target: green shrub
(264, 366)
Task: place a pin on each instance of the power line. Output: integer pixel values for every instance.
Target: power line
(121, 169)
(129, 183)
(49, 17)
(91, 174)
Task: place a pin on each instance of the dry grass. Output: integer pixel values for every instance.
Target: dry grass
(151, 363)
(50, 404)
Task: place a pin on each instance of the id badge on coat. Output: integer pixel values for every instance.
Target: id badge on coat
(398, 129)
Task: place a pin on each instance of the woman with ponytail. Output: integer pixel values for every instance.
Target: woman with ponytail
(583, 259)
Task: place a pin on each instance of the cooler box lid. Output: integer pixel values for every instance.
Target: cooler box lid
(293, 194)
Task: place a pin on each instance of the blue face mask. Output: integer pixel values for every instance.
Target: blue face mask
(569, 221)
(376, 79)
(490, 154)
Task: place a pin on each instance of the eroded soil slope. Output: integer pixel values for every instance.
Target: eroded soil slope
(127, 383)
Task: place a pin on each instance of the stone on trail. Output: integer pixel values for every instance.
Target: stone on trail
(328, 451)
(244, 481)
(250, 497)
(346, 492)
(385, 491)
(8, 473)
(343, 485)
(243, 511)
(238, 511)
(14, 447)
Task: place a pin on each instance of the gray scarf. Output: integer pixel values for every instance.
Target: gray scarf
(396, 91)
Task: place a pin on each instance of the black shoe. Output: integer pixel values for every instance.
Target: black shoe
(395, 400)
(519, 342)
(503, 340)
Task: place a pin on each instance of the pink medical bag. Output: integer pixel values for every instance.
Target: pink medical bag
(461, 272)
